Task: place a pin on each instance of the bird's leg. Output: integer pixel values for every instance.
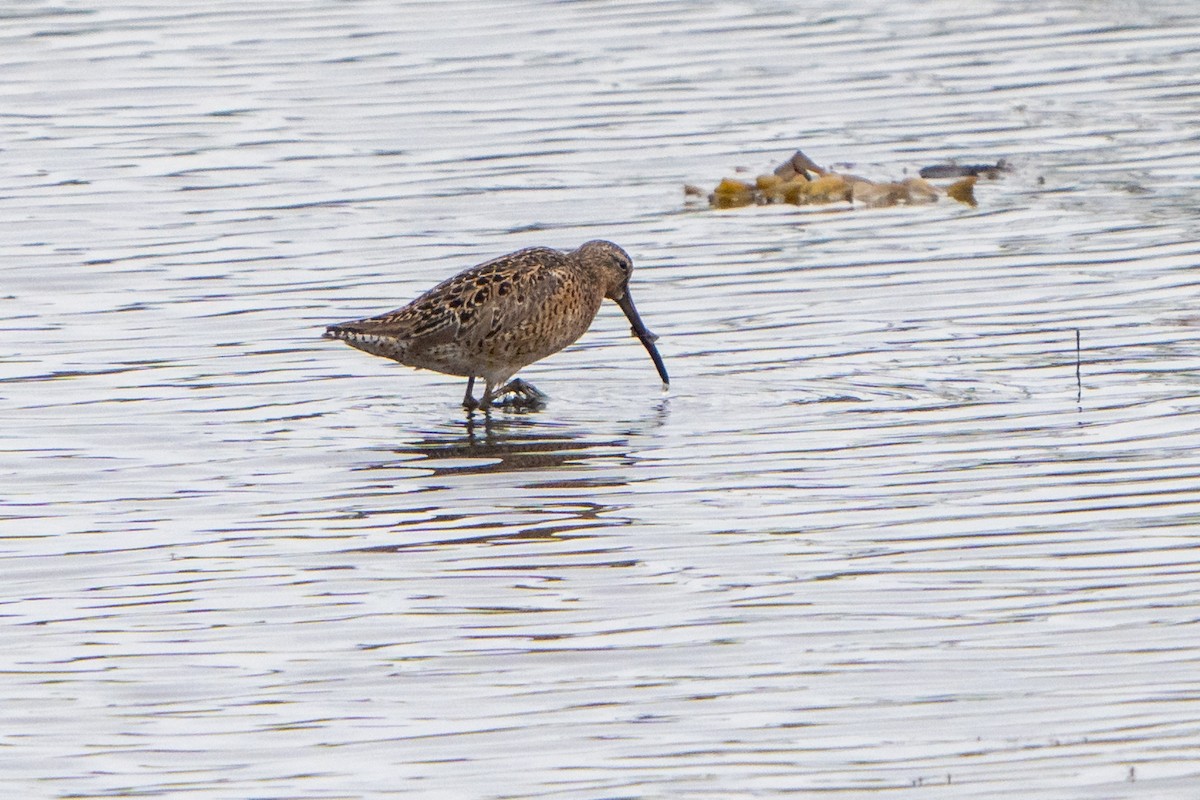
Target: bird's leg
(469, 401)
(489, 394)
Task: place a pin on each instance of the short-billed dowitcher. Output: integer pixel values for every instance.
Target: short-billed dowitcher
(491, 320)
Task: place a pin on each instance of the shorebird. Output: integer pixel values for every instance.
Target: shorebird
(491, 320)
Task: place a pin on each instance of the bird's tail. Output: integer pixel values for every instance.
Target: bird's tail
(357, 336)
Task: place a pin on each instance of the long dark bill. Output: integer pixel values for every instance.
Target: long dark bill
(644, 336)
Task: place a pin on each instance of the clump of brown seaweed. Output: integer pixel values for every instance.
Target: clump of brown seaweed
(799, 181)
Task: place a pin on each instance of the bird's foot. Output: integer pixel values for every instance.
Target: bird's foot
(519, 394)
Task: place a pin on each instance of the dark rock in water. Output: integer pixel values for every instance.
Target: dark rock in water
(989, 171)
(798, 166)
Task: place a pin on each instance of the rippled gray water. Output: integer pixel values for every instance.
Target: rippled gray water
(878, 539)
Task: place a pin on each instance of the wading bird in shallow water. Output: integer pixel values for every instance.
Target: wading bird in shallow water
(491, 320)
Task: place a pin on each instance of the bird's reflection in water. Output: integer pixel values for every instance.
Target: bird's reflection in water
(507, 444)
(483, 443)
(545, 480)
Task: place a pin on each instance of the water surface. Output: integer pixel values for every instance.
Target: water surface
(888, 534)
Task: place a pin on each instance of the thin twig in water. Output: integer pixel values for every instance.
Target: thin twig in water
(1078, 370)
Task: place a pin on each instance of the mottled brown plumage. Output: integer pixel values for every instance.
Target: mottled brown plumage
(493, 319)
